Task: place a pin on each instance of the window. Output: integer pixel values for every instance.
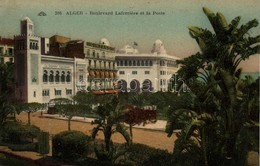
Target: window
(68, 91)
(95, 64)
(46, 92)
(51, 77)
(130, 63)
(57, 92)
(45, 76)
(138, 63)
(80, 77)
(134, 72)
(93, 54)
(34, 93)
(146, 72)
(162, 72)
(68, 77)
(10, 51)
(62, 76)
(162, 63)
(134, 63)
(57, 77)
(151, 63)
(142, 63)
(146, 63)
(88, 52)
(121, 72)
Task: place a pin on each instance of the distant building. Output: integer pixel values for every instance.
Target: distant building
(145, 72)
(6, 50)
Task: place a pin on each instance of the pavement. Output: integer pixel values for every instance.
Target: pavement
(159, 125)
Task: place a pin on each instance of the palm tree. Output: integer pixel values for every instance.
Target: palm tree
(217, 66)
(109, 121)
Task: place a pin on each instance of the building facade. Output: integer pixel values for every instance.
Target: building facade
(58, 67)
(145, 72)
(6, 50)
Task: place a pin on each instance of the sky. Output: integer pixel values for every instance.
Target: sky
(170, 27)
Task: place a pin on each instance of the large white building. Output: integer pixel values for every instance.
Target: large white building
(59, 67)
(145, 72)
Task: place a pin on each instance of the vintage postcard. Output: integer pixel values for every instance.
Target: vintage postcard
(176, 80)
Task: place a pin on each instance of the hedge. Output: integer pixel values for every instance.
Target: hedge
(70, 145)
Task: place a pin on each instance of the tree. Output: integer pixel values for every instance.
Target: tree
(109, 121)
(217, 106)
(67, 108)
(6, 90)
(136, 116)
(30, 108)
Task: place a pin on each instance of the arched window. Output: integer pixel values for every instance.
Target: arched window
(134, 63)
(57, 76)
(68, 77)
(146, 63)
(95, 64)
(138, 63)
(151, 63)
(51, 76)
(45, 76)
(62, 76)
(105, 65)
(134, 86)
(142, 63)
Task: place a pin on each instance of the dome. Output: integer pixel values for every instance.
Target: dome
(127, 49)
(104, 41)
(158, 47)
(27, 19)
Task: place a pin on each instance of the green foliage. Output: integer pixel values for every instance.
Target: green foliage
(30, 108)
(43, 143)
(24, 147)
(18, 133)
(11, 161)
(6, 89)
(139, 154)
(109, 122)
(70, 145)
(221, 106)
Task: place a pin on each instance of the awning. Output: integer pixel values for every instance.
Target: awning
(115, 74)
(91, 73)
(102, 73)
(97, 74)
(98, 92)
(107, 74)
(111, 74)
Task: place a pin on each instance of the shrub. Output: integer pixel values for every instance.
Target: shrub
(70, 145)
(43, 143)
(16, 132)
(139, 154)
(24, 147)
